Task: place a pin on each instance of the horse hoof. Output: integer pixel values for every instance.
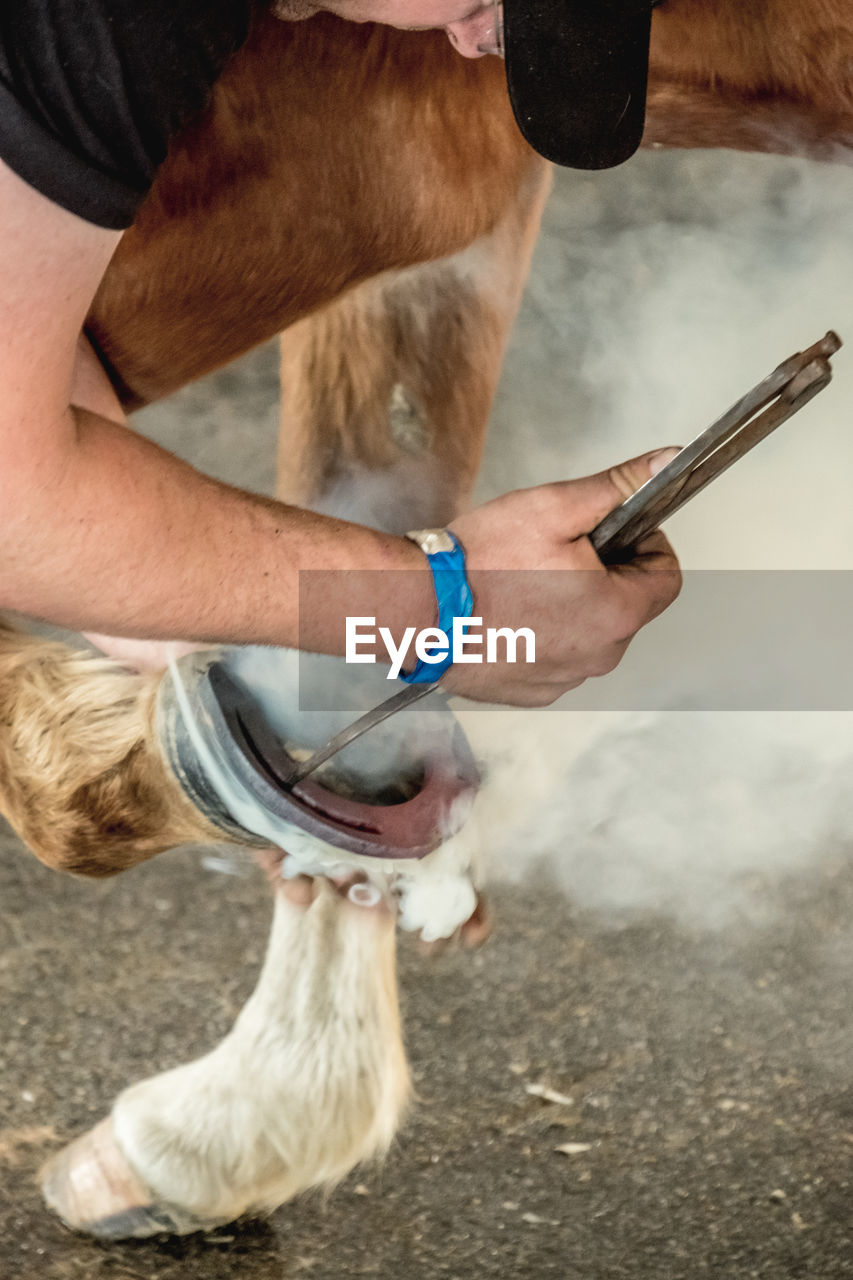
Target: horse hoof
(92, 1188)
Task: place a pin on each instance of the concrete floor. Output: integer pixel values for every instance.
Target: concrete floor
(707, 1055)
(710, 1078)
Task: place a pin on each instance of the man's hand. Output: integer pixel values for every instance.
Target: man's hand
(530, 564)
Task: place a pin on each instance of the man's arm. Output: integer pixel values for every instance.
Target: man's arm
(102, 530)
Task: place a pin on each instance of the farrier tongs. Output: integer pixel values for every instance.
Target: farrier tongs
(780, 395)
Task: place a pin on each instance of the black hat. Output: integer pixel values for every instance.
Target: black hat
(577, 72)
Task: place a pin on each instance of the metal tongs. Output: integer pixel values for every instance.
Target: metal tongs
(779, 396)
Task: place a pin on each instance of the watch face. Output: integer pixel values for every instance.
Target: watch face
(432, 541)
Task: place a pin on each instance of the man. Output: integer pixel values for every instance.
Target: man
(104, 531)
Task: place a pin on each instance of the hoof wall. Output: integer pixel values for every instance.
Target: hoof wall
(91, 1187)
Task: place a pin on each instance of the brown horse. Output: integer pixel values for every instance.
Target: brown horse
(365, 193)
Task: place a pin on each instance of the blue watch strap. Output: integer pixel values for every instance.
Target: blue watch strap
(452, 595)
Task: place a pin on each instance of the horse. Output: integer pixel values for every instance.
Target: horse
(365, 194)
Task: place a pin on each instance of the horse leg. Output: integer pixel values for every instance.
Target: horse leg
(311, 1080)
(82, 779)
(386, 393)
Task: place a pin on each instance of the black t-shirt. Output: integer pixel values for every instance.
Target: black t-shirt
(92, 91)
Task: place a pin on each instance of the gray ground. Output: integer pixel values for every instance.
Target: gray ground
(709, 1069)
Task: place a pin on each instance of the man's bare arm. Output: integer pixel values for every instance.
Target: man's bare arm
(104, 531)
(101, 528)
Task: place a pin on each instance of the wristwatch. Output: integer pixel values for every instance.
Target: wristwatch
(446, 557)
(432, 541)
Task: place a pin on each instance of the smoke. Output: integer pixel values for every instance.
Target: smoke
(693, 813)
(660, 293)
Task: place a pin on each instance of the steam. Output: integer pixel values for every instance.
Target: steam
(660, 293)
(698, 814)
